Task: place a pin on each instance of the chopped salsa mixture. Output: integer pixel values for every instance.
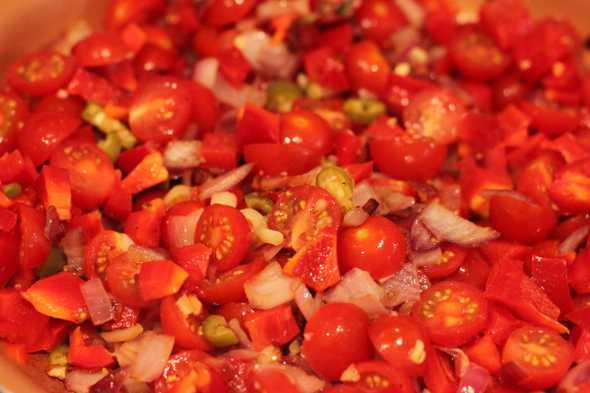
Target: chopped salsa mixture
(300, 196)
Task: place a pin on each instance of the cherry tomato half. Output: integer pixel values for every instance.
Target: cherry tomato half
(184, 328)
(306, 129)
(379, 19)
(41, 73)
(229, 286)
(100, 251)
(379, 377)
(221, 13)
(13, 111)
(100, 49)
(451, 259)
(367, 68)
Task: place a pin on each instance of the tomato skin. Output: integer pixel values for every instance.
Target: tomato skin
(274, 159)
(229, 287)
(367, 68)
(206, 110)
(377, 246)
(257, 125)
(92, 175)
(521, 220)
(183, 328)
(158, 279)
(52, 103)
(43, 132)
(553, 355)
(401, 342)
(335, 337)
(323, 66)
(220, 13)
(506, 20)
(100, 49)
(379, 19)
(161, 109)
(273, 381)
(447, 320)
(13, 112)
(307, 129)
(41, 73)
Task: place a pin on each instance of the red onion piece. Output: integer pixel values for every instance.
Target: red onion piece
(448, 226)
(234, 325)
(426, 258)
(405, 287)
(421, 238)
(73, 246)
(460, 360)
(475, 380)
(575, 377)
(358, 287)
(152, 355)
(80, 381)
(225, 181)
(182, 154)
(354, 217)
(363, 192)
(97, 300)
(573, 241)
(54, 228)
(305, 301)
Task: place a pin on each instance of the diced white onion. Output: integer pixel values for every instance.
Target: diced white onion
(358, 287)
(182, 154)
(269, 288)
(121, 335)
(354, 217)
(405, 287)
(225, 181)
(225, 198)
(182, 228)
(305, 301)
(426, 258)
(206, 71)
(271, 9)
(152, 355)
(264, 55)
(80, 381)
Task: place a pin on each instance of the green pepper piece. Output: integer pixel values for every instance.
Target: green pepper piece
(95, 115)
(258, 202)
(217, 332)
(111, 145)
(338, 183)
(363, 111)
(281, 94)
(53, 264)
(12, 190)
(59, 356)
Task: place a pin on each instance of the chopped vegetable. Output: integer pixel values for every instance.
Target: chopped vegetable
(218, 333)
(96, 115)
(281, 94)
(363, 111)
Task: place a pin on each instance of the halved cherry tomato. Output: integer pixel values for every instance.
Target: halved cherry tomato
(205, 108)
(401, 342)
(476, 55)
(43, 132)
(257, 125)
(13, 112)
(541, 356)
(229, 287)
(161, 109)
(219, 150)
(153, 60)
(122, 279)
(41, 73)
(121, 12)
(451, 312)
(52, 103)
(377, 246)
(144, 226)
(367, 68)
(100, 49)
(335, 337)
(275, 159)
(92, 175)
(59, 296)
(436, 114)
(184, 328)
(379, 19)
(307, 129)
(521, 220)
(452, 258)
(474, 270)
(158, 279)
(378, 376)
(227, 232)
(219, 13)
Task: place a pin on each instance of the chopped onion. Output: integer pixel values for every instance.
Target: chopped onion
(392, 201)
(363, 192)
(269, 251)
(413, 11)
(73, 246)
(448, 226)
(97, 300)
(271, 9)
(152, 355)
(405, 287)
(234, 325)
(575, 377)
(358, 287)
(126, 352)
(305, 301)
(182, 154)
(122, 335)
(206, 71)
(225, 181)
(476, 379)
(354, 217)
(225, 198)
(237, 98)
(306, 383)
(265, 55)
(80, 381)
(488, 193)
(426, 258)
(182, 228)
(573, 241)
(421, 238)
(269, 288)
(460, 360)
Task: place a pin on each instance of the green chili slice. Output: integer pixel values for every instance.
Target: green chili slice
(59, 356)
(53, 264)
(258, 202)
(12, 190)
(363, 111)
(96, 115)
(281, 95)
(338, 183)
(111, 145)
(217, 332)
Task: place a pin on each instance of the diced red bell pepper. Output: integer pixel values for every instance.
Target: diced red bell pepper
(54, 189)
(133, 37)
(158, 279)
(144, 226)
(149, 172)
(359, 172)
(52, 336)
(119, 204)
(257, 126)
(233, 66)
(551, 275)
(8, 219)
(507, 21)
(580, 315)
(485, 353)
(16, 168)
(474, 180)
(219, 150)
(34, 246)
(579, 272)
(93, 88)
(501, 323)
(59, 296)
(129, 159)
(515, 125)
(276, 326)
(84, 354)
(571, 188)
(89, 223)
(20, 323)
(535, 179)
(508, 285)
(571, 147)
(347, 147)
(338, 38)
(194, 259)
(323, 66)
(480, 131)
(550, 121)
(10, 248)
(439, 377)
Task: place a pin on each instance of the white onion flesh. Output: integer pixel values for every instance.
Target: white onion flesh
(182, 154)
(358, 287)
(264, 55)
(97, 301)
(234, 325)
(271, 9)
(421, 238)
(80, 381)
(225, 181)
(354, 217)
(405, 287)
(426, 258)
(270, 288)
(182, 228)
(237, 97)
(206, 71)
(122, 335)
(152, 355)
(305, 301)
(73, 246)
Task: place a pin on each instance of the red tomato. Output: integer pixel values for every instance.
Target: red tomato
(335, 337)
(377, 246)
(227, 232)
(122, 279)
(161, 109)
(325, 67)
(100, 49)
(405, 156)
(220, 13)
(474, 270)
(379, 19)
(276, 326)
(307, 129)
(121, 12)
(219, 150)
(521, 220)
(274, 159)
(235, 310)
(452, 258)
(92, 175)
(476, 55)
(16, 313)
(451, 312)
(13, 111)
(205, 109)
(43, 132)
(380, 377)
(506, 20)
(229, 287)
(41, 73)
(401, 342)
(86, 354)
(268, 380)
(102, 249)
(367, 68)
(540, 354)
(184, 328)
(52, 103)
(436, 114)
(9, 244)
(194, 259)
(153, 60)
